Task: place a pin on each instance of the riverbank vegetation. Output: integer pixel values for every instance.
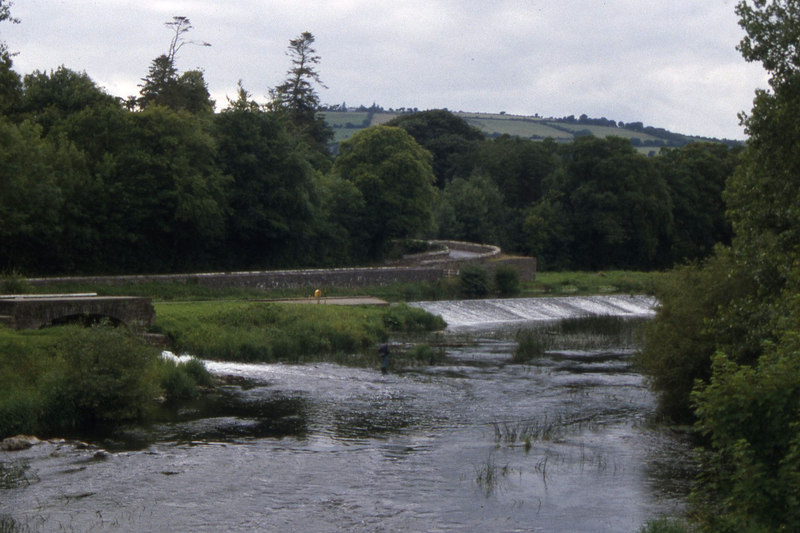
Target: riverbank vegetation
(724, 350)
(68, 379)
(269, 332)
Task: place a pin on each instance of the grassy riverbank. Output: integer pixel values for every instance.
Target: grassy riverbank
(68, 379)
(273, 332)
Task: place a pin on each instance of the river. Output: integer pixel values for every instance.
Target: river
(563, 443)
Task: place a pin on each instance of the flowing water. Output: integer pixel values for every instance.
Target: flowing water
(563, 443)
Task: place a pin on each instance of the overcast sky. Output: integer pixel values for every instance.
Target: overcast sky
(667, 63)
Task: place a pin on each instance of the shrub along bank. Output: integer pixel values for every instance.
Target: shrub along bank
(67, 379)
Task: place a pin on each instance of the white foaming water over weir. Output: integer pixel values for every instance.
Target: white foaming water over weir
(474, 313)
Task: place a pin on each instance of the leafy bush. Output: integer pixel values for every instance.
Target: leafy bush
(679, 342)
(749, 479)
(474, 281)
(177, 383)
(506, 280)
(404, 318)
(100, 374)
(13, 283)
(19, 411)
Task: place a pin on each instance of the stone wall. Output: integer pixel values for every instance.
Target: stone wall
(274, 279)
(428, 267)
(31, 312)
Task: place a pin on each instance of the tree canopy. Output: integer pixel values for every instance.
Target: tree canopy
(394, 175)
(724, 346)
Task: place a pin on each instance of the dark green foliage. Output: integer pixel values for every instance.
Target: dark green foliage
(474, 281)
(739, 338)
(404, 318)
(506, 281)
(696, 175)
(10, 84)
(50, 98)
(30, 198)
(270, 198)
(173, 187)
(678, 345)
(450, 139)
(298, 99)
(196, 370)
(100, 374)
(617, 208)
(471, 210)
(394, 175)
(521, 168)
(749, 479)
(13, 283)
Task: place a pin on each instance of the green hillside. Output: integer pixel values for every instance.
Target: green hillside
(645, 138)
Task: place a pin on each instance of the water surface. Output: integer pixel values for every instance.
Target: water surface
(562, 444)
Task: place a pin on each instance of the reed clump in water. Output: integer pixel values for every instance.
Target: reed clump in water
(577, 333)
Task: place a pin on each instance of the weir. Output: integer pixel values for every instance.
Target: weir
(471, 313)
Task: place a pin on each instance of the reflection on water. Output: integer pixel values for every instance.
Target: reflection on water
(561, 444)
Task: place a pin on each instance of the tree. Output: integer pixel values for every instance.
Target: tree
(395, 177)
(30, 200)
(618, 207)
(747, 409)
(297, 95)
(10, 84)
(49, 98)
(163, 85)
(9, 80)
(695, 175)
(271, 193)
(470, 210)
(450, 139)
(155, 200)
(519, 167)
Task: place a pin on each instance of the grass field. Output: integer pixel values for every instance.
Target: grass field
(498, 124)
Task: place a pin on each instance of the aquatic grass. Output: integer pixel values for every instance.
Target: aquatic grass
(585, 283)
(665, 524)
(531, 344)
(524, 433)
(489, 475)
(593, 332)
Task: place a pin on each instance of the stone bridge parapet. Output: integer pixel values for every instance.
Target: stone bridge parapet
(36, 311)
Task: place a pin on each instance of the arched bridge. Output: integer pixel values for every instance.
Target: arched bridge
(36, 311)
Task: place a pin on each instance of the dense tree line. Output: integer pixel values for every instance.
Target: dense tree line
(724, 350)
(161, 182)
(589, 204)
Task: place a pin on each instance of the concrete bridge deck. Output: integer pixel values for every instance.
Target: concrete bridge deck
(34, 311)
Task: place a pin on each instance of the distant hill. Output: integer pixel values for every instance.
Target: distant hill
(647, 139)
